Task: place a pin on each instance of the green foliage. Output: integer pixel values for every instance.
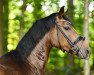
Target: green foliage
(78, 15)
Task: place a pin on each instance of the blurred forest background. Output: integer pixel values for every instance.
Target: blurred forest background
(17, 16)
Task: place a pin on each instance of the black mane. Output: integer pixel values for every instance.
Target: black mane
(33, 36)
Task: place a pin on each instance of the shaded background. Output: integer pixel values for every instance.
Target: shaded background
(17, 16)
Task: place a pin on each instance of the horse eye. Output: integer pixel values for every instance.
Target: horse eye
(67, 28)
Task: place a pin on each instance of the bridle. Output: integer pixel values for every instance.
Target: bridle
(74, 48)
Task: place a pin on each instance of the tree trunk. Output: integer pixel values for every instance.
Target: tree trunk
(70, 14)
(86, 33)
(1, 27)
(5, 24)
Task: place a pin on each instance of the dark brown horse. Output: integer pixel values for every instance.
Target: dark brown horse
(32, 52)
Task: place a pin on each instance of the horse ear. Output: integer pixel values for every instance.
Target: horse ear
(61, 12)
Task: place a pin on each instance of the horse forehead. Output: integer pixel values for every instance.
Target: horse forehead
(65, 18)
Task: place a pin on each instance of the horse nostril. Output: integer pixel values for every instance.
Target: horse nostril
(87, 51)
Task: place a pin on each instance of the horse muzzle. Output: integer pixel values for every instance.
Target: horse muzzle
(84, 54)
(81, 53)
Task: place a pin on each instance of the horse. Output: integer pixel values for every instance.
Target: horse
(32, 52)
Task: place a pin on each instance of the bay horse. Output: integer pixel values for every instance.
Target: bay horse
(32, 52)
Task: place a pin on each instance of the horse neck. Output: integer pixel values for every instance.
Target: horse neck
(40, 54)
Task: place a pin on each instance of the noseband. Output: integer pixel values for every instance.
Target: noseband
(74, 48)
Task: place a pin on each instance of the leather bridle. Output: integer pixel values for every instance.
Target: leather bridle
(74, 48)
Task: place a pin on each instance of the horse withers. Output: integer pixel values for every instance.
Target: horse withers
(32, 52)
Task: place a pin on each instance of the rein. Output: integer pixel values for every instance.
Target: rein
(74, 48)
